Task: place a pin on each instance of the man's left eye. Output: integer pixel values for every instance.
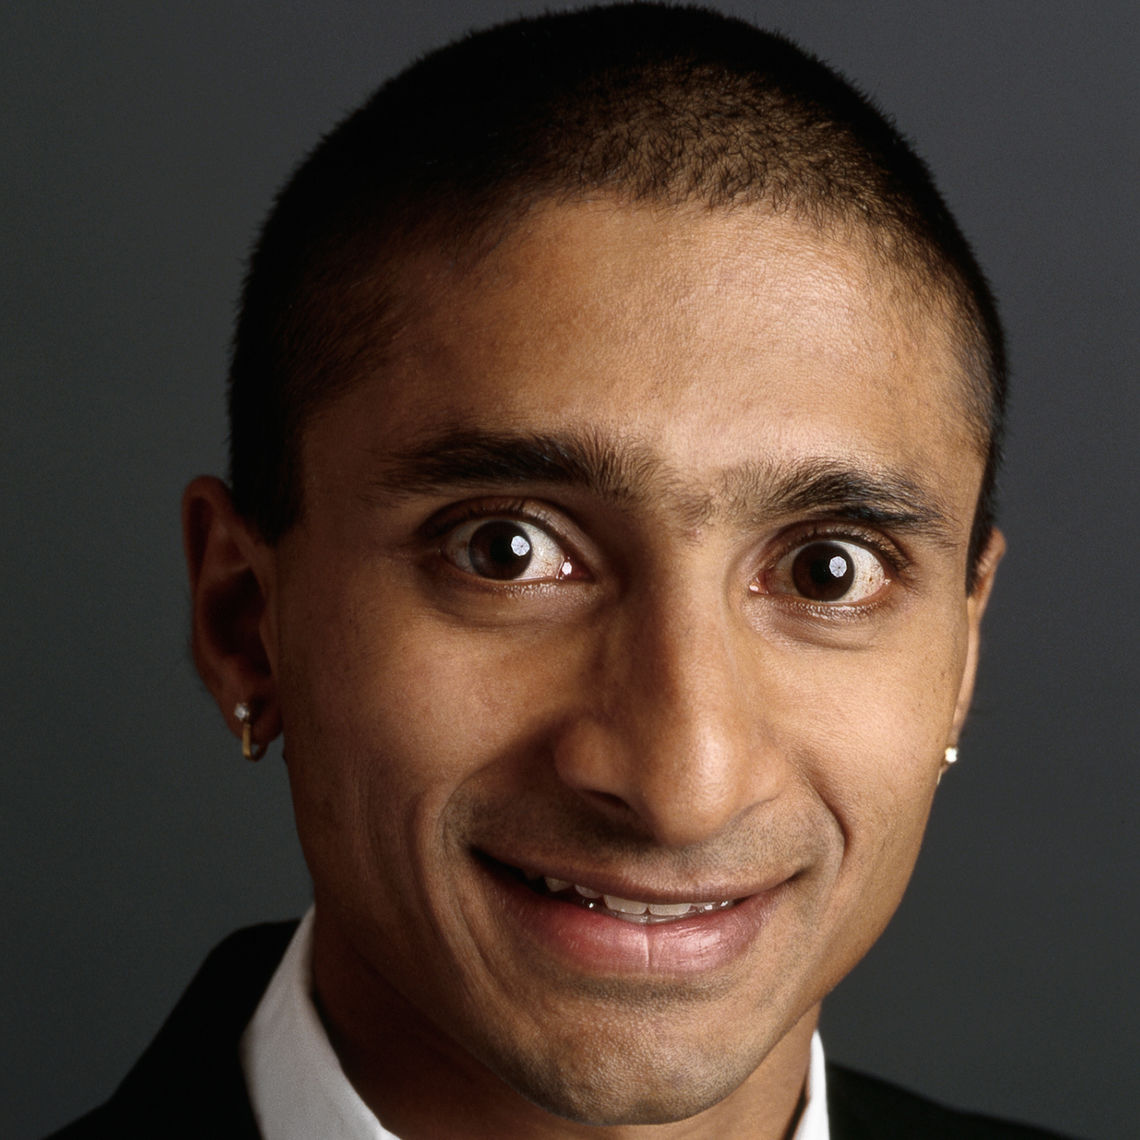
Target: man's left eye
(829, 571)
(506, 550)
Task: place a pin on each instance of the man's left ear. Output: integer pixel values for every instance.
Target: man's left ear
(976, 606)
(233, 636)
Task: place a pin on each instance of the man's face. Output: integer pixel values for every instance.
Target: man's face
(640, 566)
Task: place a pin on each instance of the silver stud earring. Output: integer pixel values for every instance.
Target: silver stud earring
(244, 715)
(950, 756)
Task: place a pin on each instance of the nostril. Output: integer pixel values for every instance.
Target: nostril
(614, 808)
(608, 799)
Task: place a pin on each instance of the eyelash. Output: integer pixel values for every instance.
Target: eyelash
(842, 531)
(438, 526)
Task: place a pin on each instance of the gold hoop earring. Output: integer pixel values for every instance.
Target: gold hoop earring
(249, 749)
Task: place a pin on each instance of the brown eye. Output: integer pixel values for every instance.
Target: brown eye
(823, 571)
(506, 550)
(829, 570)
(500, 550)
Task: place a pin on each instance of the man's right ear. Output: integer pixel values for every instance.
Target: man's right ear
(232, 627)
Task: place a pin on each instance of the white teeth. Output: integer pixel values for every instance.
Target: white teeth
(631, 909)
(663, 910)
(625, 906)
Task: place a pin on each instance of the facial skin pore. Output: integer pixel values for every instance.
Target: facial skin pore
(564, 601)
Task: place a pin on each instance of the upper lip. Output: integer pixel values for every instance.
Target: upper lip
(691, 889)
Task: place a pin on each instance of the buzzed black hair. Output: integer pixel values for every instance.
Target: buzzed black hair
(646, 103)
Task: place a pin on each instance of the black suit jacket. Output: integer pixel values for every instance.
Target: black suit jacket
(189, 1083)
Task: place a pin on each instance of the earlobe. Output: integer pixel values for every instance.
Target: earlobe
(975, 607)
(231, 575)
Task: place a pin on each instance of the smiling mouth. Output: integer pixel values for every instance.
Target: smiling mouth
(627, 910)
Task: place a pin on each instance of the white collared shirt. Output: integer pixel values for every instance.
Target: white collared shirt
(298, 1089)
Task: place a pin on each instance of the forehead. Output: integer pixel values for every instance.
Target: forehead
(700, 340)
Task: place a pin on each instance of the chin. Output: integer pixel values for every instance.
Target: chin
(645, 1085)
(616, 1106)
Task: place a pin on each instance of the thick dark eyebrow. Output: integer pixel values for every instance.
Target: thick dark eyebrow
(627, 473)
(461, 459)
(824, 487)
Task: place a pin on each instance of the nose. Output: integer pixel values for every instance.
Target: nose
(671, 736)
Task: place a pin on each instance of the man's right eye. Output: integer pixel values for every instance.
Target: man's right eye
(507, 550)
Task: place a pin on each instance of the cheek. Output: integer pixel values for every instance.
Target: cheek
(883, 714)
(389, 713)
(872, 745)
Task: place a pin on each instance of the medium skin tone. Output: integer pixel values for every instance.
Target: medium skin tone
(641, 567)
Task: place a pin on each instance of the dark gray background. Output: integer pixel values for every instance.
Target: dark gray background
(142, 144)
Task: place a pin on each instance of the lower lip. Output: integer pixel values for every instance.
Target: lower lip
(593, 942)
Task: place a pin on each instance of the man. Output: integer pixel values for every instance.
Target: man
(615, 411)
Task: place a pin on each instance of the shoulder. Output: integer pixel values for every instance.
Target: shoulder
(189, 1081)
(866, 1108)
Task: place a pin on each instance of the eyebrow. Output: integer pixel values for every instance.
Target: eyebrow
(627, 473)
(467, 458)
(825, 486)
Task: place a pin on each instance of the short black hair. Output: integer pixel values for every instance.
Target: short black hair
(649, 103)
